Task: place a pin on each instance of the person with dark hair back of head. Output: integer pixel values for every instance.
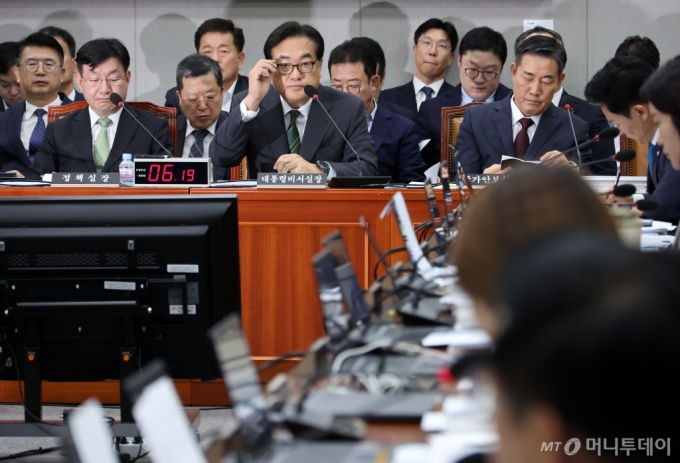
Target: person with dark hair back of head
(526, 123)
(527, 205)
(616, 88)
(221, 41)
(95, 138)
(354, 69)
(481, 58)
(68, 44)
(434, 48)
(643, 48)
(199, 88)
(279, 129)
(11, 92)
(38, 69)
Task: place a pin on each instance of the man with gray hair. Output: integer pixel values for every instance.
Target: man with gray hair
(199, 89)
(525, 124)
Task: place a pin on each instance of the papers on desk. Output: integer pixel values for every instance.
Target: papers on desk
(234, 184)
(602, 184)
(650, 242)
(23, 183)
(511, 161)
(464, 339)
(659, 227)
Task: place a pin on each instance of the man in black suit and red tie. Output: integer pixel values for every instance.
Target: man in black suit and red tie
(434, 47)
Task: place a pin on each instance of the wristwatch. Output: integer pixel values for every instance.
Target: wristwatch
(324, 166)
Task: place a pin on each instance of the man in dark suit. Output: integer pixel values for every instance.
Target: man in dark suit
(525, 124)
(221, 41)
(68, 44)
(95, 138)
(11, 92)
(395, 137)
(481, 58)
(434, 47)
(199, 88)
(616, 87)
(39, 70)
(279, 129)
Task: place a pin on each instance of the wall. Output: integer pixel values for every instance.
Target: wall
(159, 33)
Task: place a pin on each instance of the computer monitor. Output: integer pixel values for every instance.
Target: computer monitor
(85, 280)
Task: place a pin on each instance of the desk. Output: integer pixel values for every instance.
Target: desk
(279, 232)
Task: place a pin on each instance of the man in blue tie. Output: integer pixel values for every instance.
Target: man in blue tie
(39, 69)
(616, 87)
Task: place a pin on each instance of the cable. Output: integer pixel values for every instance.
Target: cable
(139, 457)
(344, 355)
(30, 453)
(276, 361)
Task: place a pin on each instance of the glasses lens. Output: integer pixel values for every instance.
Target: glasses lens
(49, 66)
(31, 66)
(284, 68)
(306, 67)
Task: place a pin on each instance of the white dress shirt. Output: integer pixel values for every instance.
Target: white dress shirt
(372, 115)
(420, 95)
(110, 130)
(517, 126)
(226, 99)
(30, 120)
(190, 138)
(467, 99)
(72, 96)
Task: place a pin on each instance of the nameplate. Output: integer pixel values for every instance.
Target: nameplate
(89, 179)
(482, 180)
(291, 180)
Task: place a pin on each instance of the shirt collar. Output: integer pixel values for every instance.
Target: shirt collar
(304, 109)
(656, 137)
(419, 84)
(30, 108)
(5, 105)
(465, 98)
(210, 129)
(517, 113)
(557, 97)
(375, 108)
(72, 96)
(115, 117)
(230, 93)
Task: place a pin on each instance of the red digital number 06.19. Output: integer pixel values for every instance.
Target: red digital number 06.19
(155, 173)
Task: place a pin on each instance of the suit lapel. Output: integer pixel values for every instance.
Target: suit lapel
(181, 133)
(14, 117)
(273, 126)
(81, 133)
(502, 117)
(315, 128)
(546, 126)
(381, 127)
(124, 135)
(408, 97)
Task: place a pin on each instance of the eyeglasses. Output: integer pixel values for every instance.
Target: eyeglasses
(114, 82)
(487, 75)
(286, 68)
(443, 46)
(32, 65)
(351, 88)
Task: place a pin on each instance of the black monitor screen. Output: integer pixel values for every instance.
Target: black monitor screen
(83, 277)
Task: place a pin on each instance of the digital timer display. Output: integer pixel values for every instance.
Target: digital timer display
(168, 172)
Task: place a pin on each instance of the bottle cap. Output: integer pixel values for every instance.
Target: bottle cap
(127, 157)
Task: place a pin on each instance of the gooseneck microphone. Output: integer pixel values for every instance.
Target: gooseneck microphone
(313, 93)
(624, 191)
(606, 134)
(621, 156)
(118, 101)
(568, 107)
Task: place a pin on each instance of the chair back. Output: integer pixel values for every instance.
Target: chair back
(452, 117)
(240, 172)
(54, 113)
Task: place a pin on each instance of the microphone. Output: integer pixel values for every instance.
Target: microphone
(621, 156)
(573, 132)
(606, 134)
(118, 101)
(645, 205)
(313, 93)
(623, 191)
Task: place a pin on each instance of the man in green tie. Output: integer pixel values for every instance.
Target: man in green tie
(95, 138)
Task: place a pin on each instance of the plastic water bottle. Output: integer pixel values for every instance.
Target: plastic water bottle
(127, 170)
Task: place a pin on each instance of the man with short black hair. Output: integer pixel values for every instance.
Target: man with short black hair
(11, 92)
(481, 58)
(95, 138)
(525, 124)
(616, 88)
(199, 88)
(354, 69)
(434, 47)
(643, 48)
(221, 41)
(68, 44)
(39, 70)
(279, 128)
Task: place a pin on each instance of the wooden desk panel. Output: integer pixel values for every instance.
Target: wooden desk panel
(87, 191)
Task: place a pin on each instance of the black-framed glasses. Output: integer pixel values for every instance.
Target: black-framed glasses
(32, 65)
(354, 89)
(487, 75)
(113, 82)
(286, 68)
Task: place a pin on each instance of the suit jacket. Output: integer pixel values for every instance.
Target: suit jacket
(396, 109)
(172, 100)
(405, 95)
(663, 186)
(263, 139)
(79, 96)
(219, 172)
(396, 144)
(429, 119)
(68, 142)
(2, 105)
(486, 134)
(597, 122)
(13, 155)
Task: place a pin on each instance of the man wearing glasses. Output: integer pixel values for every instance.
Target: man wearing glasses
(481, 58)
(280, 129)
(433, 50)
(39, 69)
(95, 138)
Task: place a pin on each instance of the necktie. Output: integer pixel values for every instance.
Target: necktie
(428, 93)
(101, 144)
(369, 121)
(37, 136)
(522, 140)
(292, 132)
(651, 154)
(197, 146)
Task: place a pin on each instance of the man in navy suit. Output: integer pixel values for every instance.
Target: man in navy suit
(616, 87)
(11, 92)
(481, 58)
(395, 137)
(39, 70)
(221, 41)
(434, 47)
(525, 124)
(199, 88)
(68, 44)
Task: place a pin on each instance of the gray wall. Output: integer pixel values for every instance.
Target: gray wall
(159, 33)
